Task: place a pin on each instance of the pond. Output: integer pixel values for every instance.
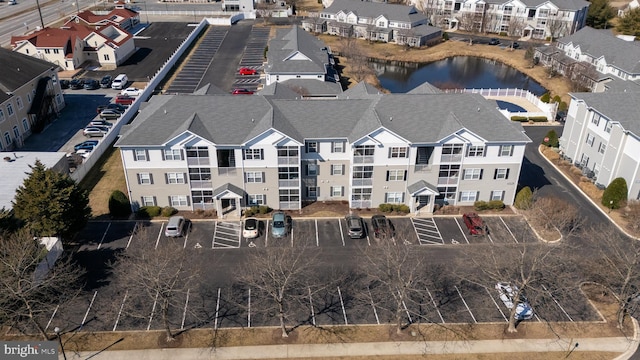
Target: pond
(454, 72)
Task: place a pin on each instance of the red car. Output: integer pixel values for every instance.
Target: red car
(247, 71)
(125, 99)
(242, 92)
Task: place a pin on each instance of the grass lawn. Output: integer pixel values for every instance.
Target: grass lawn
(105, 177)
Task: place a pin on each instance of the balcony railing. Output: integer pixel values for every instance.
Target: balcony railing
(198, 161)
(362, 182)
(288, 183)
(422, 168)
(447, 180)
(361, 204)
(451, 158)
(201, 184)
(363, 159)
(227, 171)
(289, 205)
(288, 160)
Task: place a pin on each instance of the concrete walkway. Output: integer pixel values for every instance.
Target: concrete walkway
(615, 344)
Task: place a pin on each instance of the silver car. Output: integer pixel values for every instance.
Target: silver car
(175, 226)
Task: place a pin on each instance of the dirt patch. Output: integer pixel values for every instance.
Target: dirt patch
(105, 177)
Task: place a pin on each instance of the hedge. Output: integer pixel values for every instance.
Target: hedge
(394, 207)
(119, 205)
(149, 211)
(168, 211)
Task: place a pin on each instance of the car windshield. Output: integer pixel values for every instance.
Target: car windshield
(278, 224)
(250, 225)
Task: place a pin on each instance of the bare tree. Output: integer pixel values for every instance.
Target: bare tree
(468, 21)
(30, 289)
(554, 214)
(557, 27)
(161, 276)
(352, 49)
(516, 25)
(582, 76)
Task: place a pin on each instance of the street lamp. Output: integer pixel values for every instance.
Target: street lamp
(570, 351)
(610, 206)
(57, 331)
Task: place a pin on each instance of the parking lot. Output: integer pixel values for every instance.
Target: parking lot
(253, 58)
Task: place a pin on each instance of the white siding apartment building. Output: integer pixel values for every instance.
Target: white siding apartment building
(227, 152)
(602, 136)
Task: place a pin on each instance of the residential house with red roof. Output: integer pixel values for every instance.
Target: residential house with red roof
(121, 17)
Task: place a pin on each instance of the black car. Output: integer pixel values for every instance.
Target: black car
(76, 84)
(106, 81)
(515, 45)
(382, 226)
(91, 84)
(117, 107)
(64, 84)
(494, 41)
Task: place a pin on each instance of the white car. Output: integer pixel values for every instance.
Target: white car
(131, 91)
(507, 294)
(251, 228)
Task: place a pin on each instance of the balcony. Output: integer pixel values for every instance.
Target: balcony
(422, 168)
(361, 204)
(227, 171)
(294, 183)
(448, 158)
(197, 161)
(288, 160)
(448, 180)
(362, 182)
(201, 184)
(368, 159)
(289, 205)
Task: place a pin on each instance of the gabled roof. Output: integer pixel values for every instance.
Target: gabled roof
(360, 91)
(421, 185)
(571, 5)
(115, 17)
(19, 69)
(602, 43)
(296, 41)
(621, 107)
(54, 37)
(368, 9)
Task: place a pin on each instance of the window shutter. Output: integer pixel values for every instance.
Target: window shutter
(155, 202)
(135, 157)
(511, 152)
(181, 154)
(481, 172)
(344, 146)
(184, 176)
(318, 191)
(478, 196)
(162, 153)
(306, 147)
(138, 176)
(341, 190)
(166, 178)
(306, 169)
(263, 177)
(307, 190)
(333, 144)
(169, 197)
(264, 199)
(317, 169)
(261, 154)
(342, 169)
(402, 198)
(460, 196)
(506, 176)
(188, 201)
(387, 175)
(389, 152)
(146, 154)
(495, 174)
(150, 179)
(405, 175)
(244, 154)
(142, 200)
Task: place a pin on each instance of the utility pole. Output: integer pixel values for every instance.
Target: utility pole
(40, 13)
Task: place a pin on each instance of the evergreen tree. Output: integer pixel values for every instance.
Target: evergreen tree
(552, 139)
(630, 23)
(51, 203)
(524, 198)
(599, 14)
(615, 195)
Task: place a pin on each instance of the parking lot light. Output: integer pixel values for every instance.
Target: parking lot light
(610, 206)
(57, 331)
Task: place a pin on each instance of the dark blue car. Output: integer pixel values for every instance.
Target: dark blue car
(86, 145)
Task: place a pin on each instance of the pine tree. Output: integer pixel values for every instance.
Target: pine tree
(630, 23)
(599, 14)
(615, 195)
(51, 203)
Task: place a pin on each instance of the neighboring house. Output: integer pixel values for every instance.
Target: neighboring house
(602, 136)
(374, 21)
(624, 10)
(30, 98)
(522, 18)
(230, 152)
(122, 17)
(237, 5)
(72, 45)
(299, 57)
(596, 54)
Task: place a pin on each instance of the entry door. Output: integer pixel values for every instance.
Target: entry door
(422, 201)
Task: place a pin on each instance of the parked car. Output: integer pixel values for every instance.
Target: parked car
(100, 123)
(76, 84)
(84, 153)
(64, 84)
(280, 224)
(91, 84)
(109, 114)
(125, 99)
(131, 91)
(247, 71)
(474, 223)
(87, 145)
(251, 228)
(175, 226)
(120, 82)
(91, 131)
(494, 41)
(106, 81)
(242, 92)
(12, 2)
(508, 294)
(382, 226)
(116, 107)
(515, 45)
(355, 226)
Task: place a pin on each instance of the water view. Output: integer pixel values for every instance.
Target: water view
(455, 72)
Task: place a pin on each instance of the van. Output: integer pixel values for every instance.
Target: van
(120, 82)
(475, 224)
(174, 227)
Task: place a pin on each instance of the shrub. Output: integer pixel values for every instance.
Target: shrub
(557, 99)
(402, 208)
(263, 209)
(524, 198)
(519, 118)
(480, 205)
(496, 204)
(119, 205)
(538, 118)
(562, 106)
(385, 207)
(552, 139)
(615, 195)
(546, 97)
(168, 211)
(266, 50)
(502, 33)
(147, 212)
(445, 36)
(252, 211)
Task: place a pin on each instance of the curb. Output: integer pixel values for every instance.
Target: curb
(633, 344)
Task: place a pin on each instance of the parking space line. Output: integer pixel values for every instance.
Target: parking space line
(103, 236)
(317, 240)
(153, 309)
(313, 313)
(186, 237)
(133, 232)
(249, 309)
(215, 321)
(461, 231)
(84, 319)
(120, 311)
(490, 239)
(341, 233)
(427, 231)
(433, 301)
(497, 306)
(366, 231)
(159, 234)
(465, 305)
(266, 235)
(51, 318)
(344, 313)
(557, 303)
(375, 312)
(184, 313)
(509, 230)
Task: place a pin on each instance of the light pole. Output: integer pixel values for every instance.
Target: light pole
(570, 351)
(610, 206)
(57, 331)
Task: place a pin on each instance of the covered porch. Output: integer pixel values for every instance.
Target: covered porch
(228, 200)
(422, 197)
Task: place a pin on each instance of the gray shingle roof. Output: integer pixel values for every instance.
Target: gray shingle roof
(617, 106)
(372, 10)
(228, 186)
(296, 40)
(561, 4)
(234, 120)
(601, 43)
(19, 69)
(421, 184)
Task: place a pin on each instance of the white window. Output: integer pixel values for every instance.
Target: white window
(590, 139)
(1, 115)
(337, 169)
(312, 146)
(10, 109)
(337, 146)
(501, 174)
(179, 200)
(256, 199)
(395, 175)
(312, 191)
(472, 174)
(398, 152)
(361, 194)
(337, 191)
(506, 150)
(140, 155)
(312, 169)
(16, 132)
(7, 138)
(145, 179)
(602, 148)
(172, 154)
(394, 198)
(475, 151)
(175, 178)
(19, 102)
(595, 119)
(148, 201)
(468, 196)
(25, 125)
(253, 154)
(608, 127)
(497, 195)
(254, 177)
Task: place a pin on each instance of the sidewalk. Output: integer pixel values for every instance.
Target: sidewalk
(616, 344)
